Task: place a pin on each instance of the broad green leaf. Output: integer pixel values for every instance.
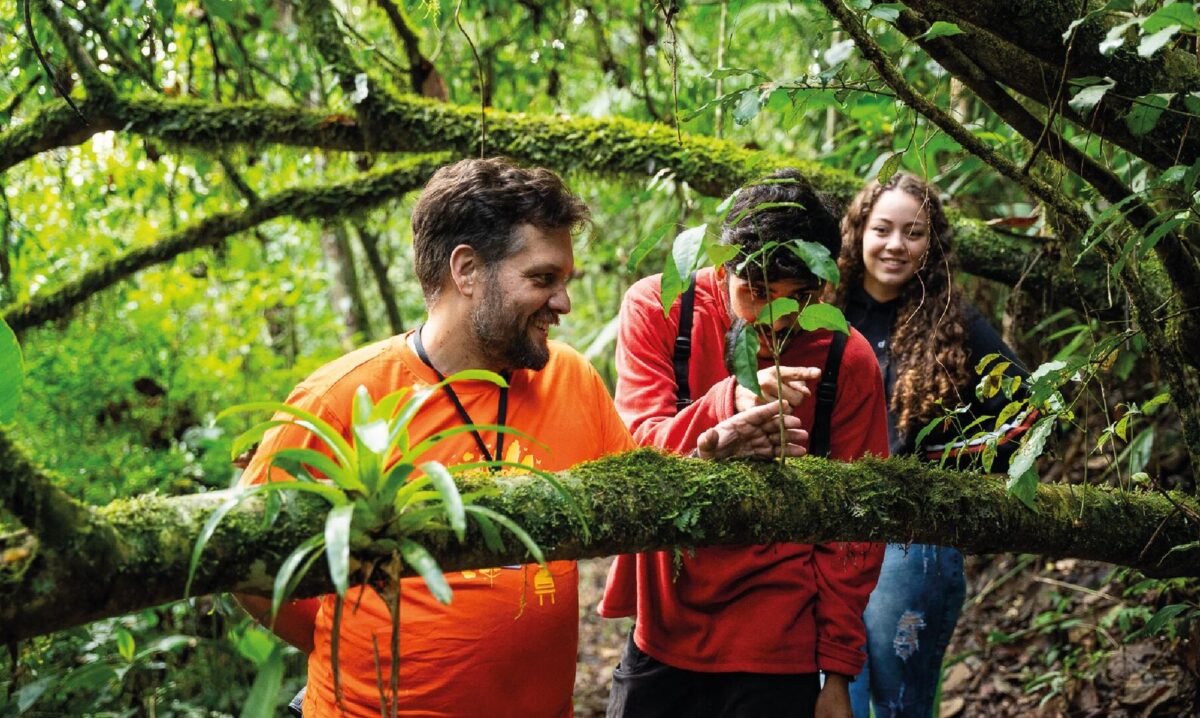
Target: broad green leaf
(255, 645)
(451, 499)
(747, 107)
(125, 644)
(329, 492)
(1154, 42)
(719, 254)
(362, 406)
(1116, 37)
(1192, 102)
(1158, 621)
(1144, 113)
(745, 359)
(293, 455)
(288, 576)
(12, 373)
(888, 12)
(776, 309)
(983, 363)
(415, 555)
(1152, 405)
(29, 693)
(337, 545)
(1182, 14)
(1140, 449)
(207, 531)
(824, 316)
(940, 28)
(671, 286)
(1031, 448)
(728, 202)
(315, 424)
(1009, 411)
(386, 408)
(1024, 487)
(818, 259)
(264, 693)
(393, 479)
(685, 250)
(373, 435)
(514, 529)
(643, 248)
(253, 435)
(474, 375)
(890, 166)
(1090, 96)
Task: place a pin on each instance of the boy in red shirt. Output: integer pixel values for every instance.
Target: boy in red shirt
(743, 631)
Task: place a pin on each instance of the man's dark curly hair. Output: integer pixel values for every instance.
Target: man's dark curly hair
(756, 218)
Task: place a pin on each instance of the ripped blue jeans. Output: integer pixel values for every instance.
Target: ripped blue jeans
(910, 618)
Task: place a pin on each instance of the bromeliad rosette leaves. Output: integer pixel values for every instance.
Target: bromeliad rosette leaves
(380, 491)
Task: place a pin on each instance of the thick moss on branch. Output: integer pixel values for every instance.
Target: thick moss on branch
(637, 501)
(346, 197)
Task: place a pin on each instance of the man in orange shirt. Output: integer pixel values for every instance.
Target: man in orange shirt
(493, 251)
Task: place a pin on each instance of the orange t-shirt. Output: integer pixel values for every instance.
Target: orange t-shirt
(506, 644)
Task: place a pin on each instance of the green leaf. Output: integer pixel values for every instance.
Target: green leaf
(1182, 14)
(319, 427)
(1152, 43)
(451, 499)
(224, 9)
(207, 531)
(1158, 621)
(745, 358)
(818, 259)
(824, 316)
(337, 545)
(747, 107)
(29, 693)
(415, 555)
(728, 202)
(1031, 448)
(719, 254)
(374, 435)
(1090, 96)
(386, 408)
(1144, 113)
(1152, 405)
(12, 373)
(264, 694)
(890, 166)
(290, 457)
(125, 644)
(1116, 37)
(643, 248)
(362, 406)
(1192, 102)
(685, 250)
(888, 12)
(288, 576)
(1024, 487)
(940, 28)
(514, 529)
(671, 286)
(253, 435)
(776, 310)
(1140, 449)
(491, 535)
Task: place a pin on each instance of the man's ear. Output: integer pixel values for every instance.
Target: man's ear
(465, 269)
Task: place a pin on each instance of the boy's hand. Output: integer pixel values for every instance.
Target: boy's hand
(754, 432)
(793, 388)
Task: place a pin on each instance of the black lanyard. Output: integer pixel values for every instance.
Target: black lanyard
(501, 411)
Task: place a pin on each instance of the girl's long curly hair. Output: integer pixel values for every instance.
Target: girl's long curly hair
(928, 342)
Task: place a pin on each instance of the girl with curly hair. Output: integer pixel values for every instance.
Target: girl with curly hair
(898, 266)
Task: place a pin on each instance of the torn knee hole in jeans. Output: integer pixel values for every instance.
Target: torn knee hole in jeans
(906, 642)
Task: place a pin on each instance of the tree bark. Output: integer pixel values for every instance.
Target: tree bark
(641, 500)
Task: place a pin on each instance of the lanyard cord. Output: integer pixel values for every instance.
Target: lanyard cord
(501, 411)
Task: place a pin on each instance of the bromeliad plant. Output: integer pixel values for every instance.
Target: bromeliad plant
(380, 494)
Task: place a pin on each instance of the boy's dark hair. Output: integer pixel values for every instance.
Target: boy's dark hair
(748, 229)
(480, 203)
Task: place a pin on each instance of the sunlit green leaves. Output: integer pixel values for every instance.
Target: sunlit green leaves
(1144, 113)
(685, 259)
(1093, 90)
(823, 316)
(12, 373)
(940, 28)
(818, 259)
(776, 309)
(745, 359)
(1023, 477)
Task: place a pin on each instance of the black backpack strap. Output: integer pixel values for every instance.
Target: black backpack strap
(818, 438)
(683, 346)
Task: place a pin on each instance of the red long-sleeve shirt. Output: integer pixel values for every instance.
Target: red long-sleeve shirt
(776, 608)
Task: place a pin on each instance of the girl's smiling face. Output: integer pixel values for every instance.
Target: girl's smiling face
(895, 241)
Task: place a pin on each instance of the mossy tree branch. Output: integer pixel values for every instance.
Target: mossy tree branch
(94, 81)
(631, 503)
(355, 195)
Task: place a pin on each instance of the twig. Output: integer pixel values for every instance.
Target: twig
(482, 88)
(50, 74)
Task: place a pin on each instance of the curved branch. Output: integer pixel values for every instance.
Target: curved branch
(354, 195)
(94, 81)
(628, 502)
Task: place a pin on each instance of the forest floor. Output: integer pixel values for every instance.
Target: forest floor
(1036, 638)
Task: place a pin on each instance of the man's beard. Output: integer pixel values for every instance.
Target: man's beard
(506, 339)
